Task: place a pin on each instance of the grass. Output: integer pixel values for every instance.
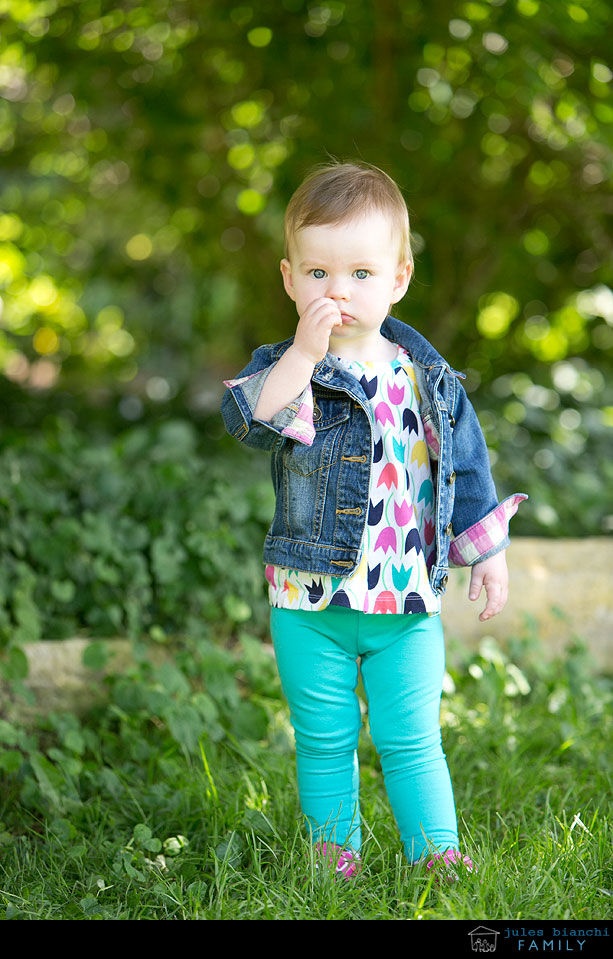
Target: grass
(121, 820)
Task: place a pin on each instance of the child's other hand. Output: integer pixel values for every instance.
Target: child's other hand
(312, 337)
(492, 574)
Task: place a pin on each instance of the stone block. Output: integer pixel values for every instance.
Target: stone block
(565, 586)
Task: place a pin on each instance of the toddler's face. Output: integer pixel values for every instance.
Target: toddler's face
(355, 264)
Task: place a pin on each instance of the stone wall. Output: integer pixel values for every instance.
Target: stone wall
(564, 585)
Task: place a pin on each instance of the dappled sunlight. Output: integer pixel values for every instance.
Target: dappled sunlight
(148, 153)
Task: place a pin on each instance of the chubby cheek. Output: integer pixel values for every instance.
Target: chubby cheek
(304, 293)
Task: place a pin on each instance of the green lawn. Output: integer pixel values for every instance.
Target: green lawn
(177, 800)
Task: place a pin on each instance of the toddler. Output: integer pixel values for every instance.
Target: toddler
(382, 481)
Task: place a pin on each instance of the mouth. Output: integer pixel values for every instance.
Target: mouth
(346, 318)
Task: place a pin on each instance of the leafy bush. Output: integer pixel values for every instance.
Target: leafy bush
(143, 535)
(158, 530)
(551, 436)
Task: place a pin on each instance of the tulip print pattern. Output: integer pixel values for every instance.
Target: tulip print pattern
(398, 545)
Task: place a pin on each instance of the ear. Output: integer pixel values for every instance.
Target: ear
(403, 278)
(286, 272)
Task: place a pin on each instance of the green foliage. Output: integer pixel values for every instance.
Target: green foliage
(148, 154)
(129, 814)
(142, 536)
(551, 436)
(156, 714)
(152, 534)
(149, 151)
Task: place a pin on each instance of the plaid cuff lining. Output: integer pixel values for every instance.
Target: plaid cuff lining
(240, 380)
(302, 428)
(484, 536)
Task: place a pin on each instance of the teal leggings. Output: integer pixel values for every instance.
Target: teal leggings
(402, 661)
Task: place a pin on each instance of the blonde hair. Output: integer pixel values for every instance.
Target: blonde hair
(337, 192)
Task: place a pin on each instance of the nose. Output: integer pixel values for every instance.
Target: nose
(337, 288)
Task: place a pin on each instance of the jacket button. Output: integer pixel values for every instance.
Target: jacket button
(449, 530)
(451, 478)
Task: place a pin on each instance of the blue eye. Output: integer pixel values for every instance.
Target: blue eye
(318, 274)
(362, 274)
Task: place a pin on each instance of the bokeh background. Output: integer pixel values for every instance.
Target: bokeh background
(148, 150)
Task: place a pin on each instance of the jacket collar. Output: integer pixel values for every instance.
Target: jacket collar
(417, 345)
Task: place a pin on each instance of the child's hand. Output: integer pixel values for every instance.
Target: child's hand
(315, 326)
(493, 574)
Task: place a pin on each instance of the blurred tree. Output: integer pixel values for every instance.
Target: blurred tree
(149, 148)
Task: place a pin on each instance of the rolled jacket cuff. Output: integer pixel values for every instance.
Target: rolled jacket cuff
(294, 421)
(488, 536)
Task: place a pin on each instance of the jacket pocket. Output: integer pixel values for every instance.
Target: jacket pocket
(309, 479)
(323, 453)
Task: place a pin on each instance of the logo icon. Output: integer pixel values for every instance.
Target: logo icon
(483, 939)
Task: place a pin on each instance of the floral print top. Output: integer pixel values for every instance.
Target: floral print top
(398, 546)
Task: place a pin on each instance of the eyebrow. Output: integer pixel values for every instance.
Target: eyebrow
(369, 264)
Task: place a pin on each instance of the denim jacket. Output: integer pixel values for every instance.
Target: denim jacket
(321, 448)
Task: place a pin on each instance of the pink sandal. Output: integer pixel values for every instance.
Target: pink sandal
(345, 862)
(451, 858)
